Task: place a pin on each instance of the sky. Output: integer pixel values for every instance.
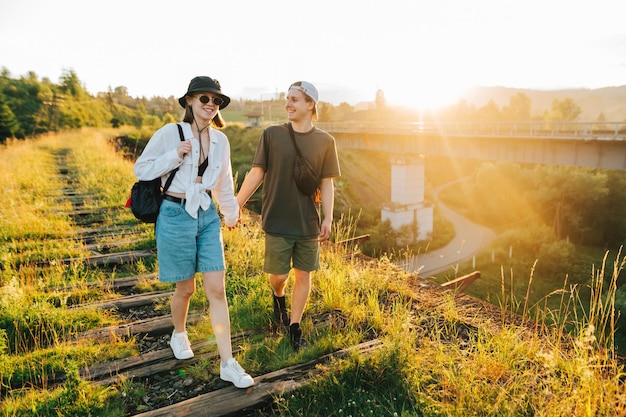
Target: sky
(421, 53)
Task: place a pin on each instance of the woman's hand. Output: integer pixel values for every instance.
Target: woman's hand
(184, 147)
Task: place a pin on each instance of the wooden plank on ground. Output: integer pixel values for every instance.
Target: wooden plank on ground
(119, 258)
(108, 259)
(86, 212)
(460, 284)
(151, 363)
(154, 326)
(129, 301)
(104, 246)
(230, 400)
(355, 240)
(116, 284)
(106, 229)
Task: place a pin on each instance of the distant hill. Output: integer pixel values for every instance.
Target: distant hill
(609, 100)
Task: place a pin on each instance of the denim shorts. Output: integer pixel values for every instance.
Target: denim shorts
(280, 252)
(186, 245)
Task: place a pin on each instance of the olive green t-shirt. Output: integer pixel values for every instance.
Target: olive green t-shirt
(285, 210)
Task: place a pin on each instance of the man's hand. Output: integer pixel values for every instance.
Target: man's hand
(324, 230)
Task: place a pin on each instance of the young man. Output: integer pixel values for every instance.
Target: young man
(291, 220)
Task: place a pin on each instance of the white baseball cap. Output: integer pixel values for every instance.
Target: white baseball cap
(309, 90)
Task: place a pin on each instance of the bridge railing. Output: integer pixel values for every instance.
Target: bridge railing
(545, 130)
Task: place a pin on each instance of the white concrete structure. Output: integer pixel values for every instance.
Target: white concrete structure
(407, 206)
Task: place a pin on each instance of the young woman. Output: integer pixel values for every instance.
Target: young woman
(188, 230)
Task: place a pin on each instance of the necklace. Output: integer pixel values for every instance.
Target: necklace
(198, 127)
(200, 140)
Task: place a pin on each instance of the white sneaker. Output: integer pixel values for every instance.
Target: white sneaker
(180, 346)
(231, 371)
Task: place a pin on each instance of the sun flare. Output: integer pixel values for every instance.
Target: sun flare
(431, 94)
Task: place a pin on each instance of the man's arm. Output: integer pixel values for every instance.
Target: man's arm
(253, 180)
(327, 189)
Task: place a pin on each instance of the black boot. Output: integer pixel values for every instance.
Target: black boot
(295, 333)
(281, 316)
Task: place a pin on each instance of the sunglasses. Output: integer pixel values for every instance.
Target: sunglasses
(218, 101)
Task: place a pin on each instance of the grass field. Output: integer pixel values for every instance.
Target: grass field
(442, 354)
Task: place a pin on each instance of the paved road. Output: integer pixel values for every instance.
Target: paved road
(469, 239)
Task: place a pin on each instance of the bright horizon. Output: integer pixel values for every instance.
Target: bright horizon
(419, 53)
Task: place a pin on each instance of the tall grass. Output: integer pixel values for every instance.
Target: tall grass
(555, 364)
(29, 181)
(37, 321)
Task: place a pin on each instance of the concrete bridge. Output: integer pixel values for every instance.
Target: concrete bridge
(580, 144)
(583, 144)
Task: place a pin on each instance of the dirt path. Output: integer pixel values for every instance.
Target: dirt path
(468, 240)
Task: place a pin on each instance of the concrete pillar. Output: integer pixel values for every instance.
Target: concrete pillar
(407, 206)
(407, 180)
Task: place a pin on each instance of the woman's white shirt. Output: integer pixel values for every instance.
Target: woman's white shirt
(160, 157)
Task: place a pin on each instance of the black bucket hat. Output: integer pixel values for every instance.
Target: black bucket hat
(203, 84)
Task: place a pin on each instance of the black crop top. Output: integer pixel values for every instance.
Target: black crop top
(203, 166)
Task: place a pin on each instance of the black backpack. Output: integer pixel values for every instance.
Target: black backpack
(146, 196)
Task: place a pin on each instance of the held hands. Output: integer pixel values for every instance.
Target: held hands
(234, 226)
(184, 147)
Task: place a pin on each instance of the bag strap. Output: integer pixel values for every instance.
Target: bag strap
(293, 138)
(318, 195)
(171, 177)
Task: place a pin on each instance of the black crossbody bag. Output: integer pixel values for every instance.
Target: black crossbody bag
(146, 196)
(307, 179)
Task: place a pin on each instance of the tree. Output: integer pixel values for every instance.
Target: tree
(23, 96)
(344, 110)
(614, 217)
(462, 111)
(138, 115)
(324, 112)
(50, 114)
(576, 196)
(490, 112)
(518, 109)
(565, 110)
(70, 84)
(9, 125)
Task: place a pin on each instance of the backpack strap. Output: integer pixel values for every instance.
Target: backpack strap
(171, 177)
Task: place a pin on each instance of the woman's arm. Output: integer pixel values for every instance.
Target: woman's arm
(253, 180)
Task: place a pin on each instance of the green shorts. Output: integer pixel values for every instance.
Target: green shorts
(282, 253)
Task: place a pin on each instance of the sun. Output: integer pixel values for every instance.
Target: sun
(425, 96)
